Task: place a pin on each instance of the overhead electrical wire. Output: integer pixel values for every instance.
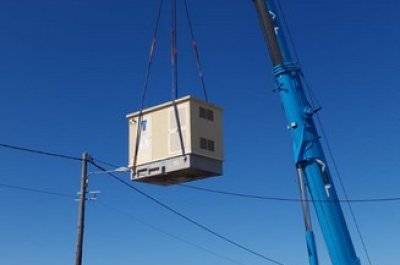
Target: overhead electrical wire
(68, 157)
(188, 219)
(123, 213)
(347, 200)
(39, 152)
(21, 188)
(360, 235)
(64, 195)
(106, 163)
(52, 154)
(244, 195)
(271, 198)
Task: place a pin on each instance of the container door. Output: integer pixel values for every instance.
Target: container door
(145, 146)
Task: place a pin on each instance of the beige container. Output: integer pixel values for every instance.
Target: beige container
(160, 157)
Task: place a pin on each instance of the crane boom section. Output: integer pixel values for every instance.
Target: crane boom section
(307, 148)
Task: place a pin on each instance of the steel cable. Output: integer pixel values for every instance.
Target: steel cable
(196, 52)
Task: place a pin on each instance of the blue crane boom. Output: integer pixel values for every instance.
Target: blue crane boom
(311, 166)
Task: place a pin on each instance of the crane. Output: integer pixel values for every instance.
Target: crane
(311, 166)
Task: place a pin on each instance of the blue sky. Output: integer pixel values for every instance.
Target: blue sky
(70, 70)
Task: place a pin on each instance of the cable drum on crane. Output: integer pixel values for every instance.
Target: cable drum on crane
(179, 140)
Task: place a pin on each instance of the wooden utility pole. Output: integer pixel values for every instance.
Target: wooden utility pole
(81, 212)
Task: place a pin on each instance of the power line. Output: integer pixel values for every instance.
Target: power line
(251, 196)
(63, 156)
(40, 152)
(105, 163)
(274, 198)
(36, 190)
(168, 234)
(271, 198)
(190, 220)
(125, 214)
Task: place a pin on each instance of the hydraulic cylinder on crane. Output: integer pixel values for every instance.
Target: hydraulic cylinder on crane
(311, 165)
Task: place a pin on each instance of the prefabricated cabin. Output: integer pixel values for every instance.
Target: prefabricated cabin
(164, 156)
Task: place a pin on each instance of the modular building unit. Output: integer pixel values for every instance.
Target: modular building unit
(161, 158)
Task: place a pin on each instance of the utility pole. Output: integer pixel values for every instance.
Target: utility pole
(81, 212)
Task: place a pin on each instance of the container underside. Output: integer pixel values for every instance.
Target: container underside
(177, 170)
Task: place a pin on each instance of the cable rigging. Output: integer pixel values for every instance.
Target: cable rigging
(174, 67)
(146, 84)
(196, 51)
(174, 75)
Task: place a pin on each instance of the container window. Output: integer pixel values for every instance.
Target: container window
(202, 113)
(206, 114)
(207, 144)
(203, 143)
(144, 125)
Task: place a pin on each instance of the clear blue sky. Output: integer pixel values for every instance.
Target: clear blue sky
(71, 69)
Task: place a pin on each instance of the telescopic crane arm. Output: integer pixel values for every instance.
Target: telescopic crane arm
(311, 166)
